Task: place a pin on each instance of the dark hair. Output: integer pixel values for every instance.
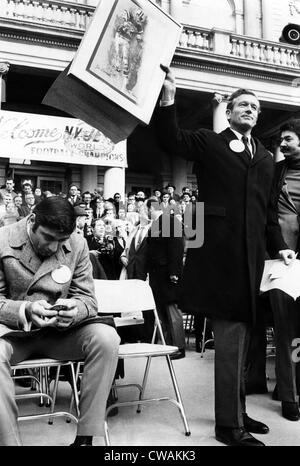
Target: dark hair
(291, 125)
(164, 193)
(56, 213)
(86, 193)
(237, 94)
(95, 220)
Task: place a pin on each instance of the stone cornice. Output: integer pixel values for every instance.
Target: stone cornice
(242, 68)
(44, 37)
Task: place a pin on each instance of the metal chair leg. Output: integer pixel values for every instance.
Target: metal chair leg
(203, 337)
(178, 396)
(145, 379)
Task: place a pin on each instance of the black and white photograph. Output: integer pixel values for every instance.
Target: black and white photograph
(149, 226)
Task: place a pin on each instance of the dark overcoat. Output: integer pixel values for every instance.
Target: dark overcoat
(165, 258)
(221, 278)
(279, 178)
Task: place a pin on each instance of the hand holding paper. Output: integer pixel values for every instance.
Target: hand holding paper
(287, 255)
(277, 275)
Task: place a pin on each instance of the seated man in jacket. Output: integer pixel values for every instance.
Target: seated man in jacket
(42, 264)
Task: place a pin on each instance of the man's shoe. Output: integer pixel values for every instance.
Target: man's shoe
(178, 355)
(290, 410)
(253, 426)
(81, 445)
(237, 437)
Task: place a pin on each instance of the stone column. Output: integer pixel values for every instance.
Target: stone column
(179, 173)
(220, 121)
(176, 9)
(251, 24)
(114, 182)
(88, 178)
(4, 67)
(267, 13)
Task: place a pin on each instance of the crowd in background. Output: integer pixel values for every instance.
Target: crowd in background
(101, 221)
(115, 229)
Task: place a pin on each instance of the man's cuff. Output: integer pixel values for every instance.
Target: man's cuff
(24, 324)
(166, 103)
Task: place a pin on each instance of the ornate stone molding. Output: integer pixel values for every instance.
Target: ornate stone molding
(219, 98)
(4, 67)
(41, 39)
(235, 69)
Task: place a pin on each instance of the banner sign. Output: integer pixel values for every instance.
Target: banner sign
(57, 139)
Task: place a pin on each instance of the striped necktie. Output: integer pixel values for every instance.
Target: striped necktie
(247, 150)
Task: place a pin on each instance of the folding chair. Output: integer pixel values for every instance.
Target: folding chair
(41, 368)
(188, 322)
(128, 296)
(204, 342)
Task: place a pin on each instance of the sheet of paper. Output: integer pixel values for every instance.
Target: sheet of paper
(277, 275)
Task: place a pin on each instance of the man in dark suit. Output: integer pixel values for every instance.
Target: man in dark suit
(221, 279)
(74, 197)
(170, 188)
(28, 206)
(135, 254)
(165, 264)
(135, 259)
(286, 311)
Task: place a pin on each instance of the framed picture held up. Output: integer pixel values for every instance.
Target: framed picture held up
(121, 52)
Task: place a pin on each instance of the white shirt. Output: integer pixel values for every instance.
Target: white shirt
(140, 234)
(239, 136)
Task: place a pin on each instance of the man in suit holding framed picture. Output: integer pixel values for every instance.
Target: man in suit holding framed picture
(221, 279)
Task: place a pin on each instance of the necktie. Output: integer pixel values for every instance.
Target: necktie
(247, 150)
(139, 237)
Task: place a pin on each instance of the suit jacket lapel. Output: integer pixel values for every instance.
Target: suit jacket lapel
(229, 135)
(24, 252)
(50, 264)
(259, 151)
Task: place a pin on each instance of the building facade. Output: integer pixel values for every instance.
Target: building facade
(224, 45)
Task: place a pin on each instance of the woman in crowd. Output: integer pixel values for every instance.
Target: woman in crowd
(11, 214)
(104, 244)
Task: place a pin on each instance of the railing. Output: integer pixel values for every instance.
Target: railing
(196, 38)
(228, 44)
(54, 13)
(262, 51)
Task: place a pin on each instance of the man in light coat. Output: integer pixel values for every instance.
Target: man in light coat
(42, 264)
